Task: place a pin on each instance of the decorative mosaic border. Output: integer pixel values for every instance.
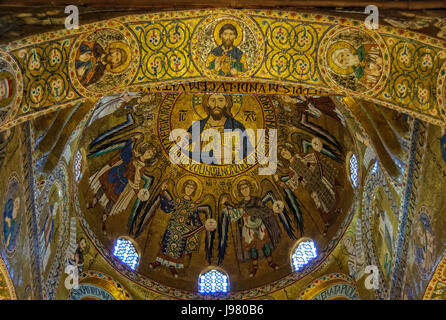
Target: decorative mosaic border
(372, 182)
(436, 113)
(338, 277)
(439, 276)
(417, 147)
(95, 275)
(60, 178)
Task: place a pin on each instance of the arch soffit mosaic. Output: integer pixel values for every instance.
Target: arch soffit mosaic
(283, 53)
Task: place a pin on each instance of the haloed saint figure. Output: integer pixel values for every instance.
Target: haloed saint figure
(227, 59)
(364, 61)
(92, 60)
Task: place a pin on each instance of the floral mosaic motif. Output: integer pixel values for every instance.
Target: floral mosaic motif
(164, 49)
(291, 50)
(412, 75)
(45, 76)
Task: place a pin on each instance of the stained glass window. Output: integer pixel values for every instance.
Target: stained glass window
(213, 282)
(303, 254)
(354, 169)
(126, 252)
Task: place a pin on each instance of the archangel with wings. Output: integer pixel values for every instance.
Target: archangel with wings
(257, 231)
(183, 233)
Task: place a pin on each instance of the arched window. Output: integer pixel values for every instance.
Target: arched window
(354, 170)
(126, 252)
(213, 281)
(304, 252)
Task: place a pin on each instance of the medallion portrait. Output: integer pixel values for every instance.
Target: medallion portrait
(227, 47)
(353, 60)
(10, 87)
(103, 60)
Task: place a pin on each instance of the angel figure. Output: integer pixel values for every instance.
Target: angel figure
(316, 176)
(122, 179)
(183, 233)
(258, 231)
(138, 109)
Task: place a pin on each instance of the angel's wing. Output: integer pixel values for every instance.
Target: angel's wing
(283, 216)
(223, 227)
(149, 211)
(294, 207)
(210, 235)
(114, 133)
(291, 208)
(107, 105)
(151, 183)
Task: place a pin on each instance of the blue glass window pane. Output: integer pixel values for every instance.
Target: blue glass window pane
(126, 252)
(212, 282)
(303, 254)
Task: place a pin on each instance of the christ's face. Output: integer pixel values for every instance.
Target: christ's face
(344, 58)
(217, 104)
(189, 189)
(227, 38)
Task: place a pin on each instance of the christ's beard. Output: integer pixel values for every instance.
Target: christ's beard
(217, 115)
(227, 44)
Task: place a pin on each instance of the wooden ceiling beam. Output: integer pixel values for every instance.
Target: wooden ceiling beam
(175, 4)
